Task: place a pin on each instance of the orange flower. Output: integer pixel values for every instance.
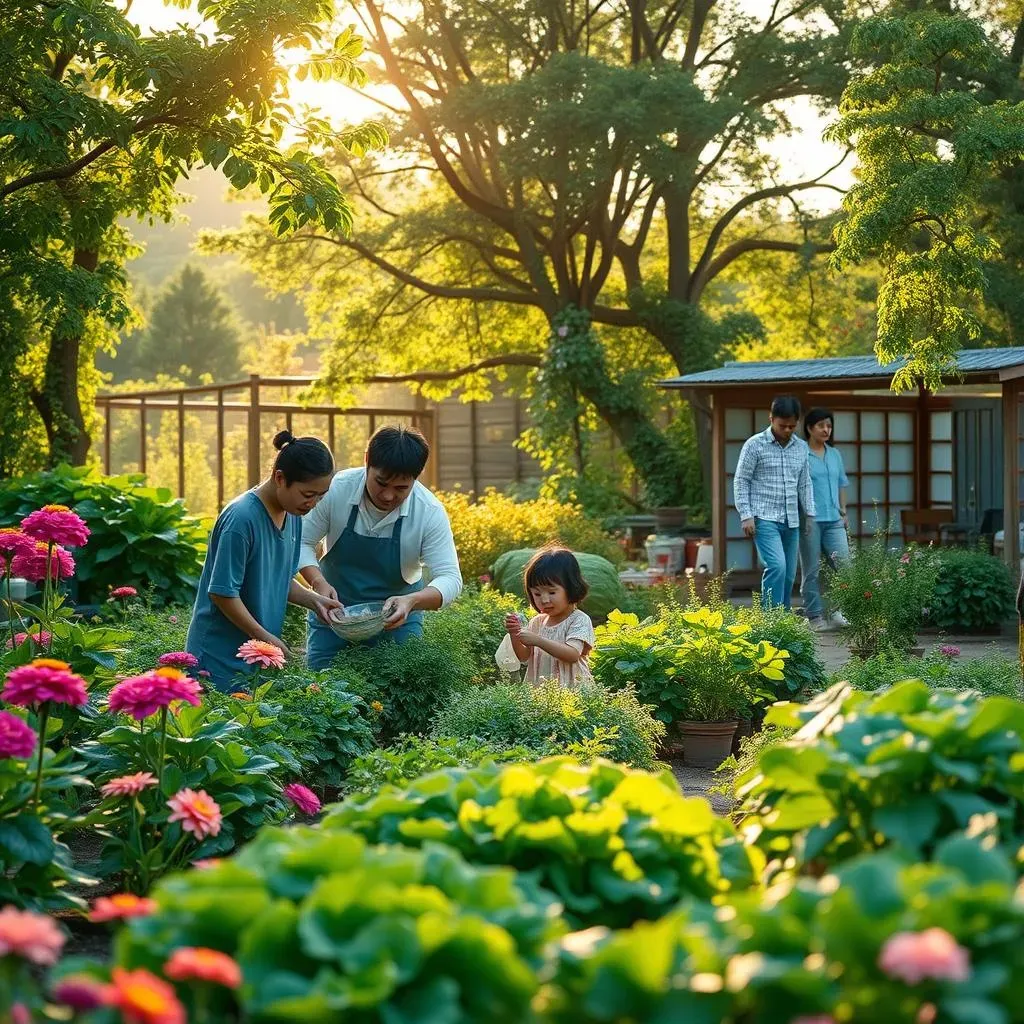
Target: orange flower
(143, 998)
(198, 812)
(120, 907)
(241, 695)
(201, 964)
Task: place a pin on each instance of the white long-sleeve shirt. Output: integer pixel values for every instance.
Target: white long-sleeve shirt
(427, 539)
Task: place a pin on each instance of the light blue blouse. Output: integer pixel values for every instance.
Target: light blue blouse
(828, 475)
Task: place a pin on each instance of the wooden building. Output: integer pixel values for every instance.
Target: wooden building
(960, 450)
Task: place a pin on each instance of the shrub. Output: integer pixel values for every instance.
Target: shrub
(487, 528)
(974, 592)
(154, 632)
(811, 951)
(606, 590)
(803, 671)
(413, 756)
(412, 681)
(905, 767)
(548, 718)
(327, 928)
(140, 535)
(613, 845)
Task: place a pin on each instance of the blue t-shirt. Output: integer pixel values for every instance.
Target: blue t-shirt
(250, 558)
(827, 475)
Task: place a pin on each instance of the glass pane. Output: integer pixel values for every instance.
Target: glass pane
(732, 455)
(739, 424)
(872, 488)
(851, 457)
(901, 458)
(730, 497)
(853, 491)
(732, 524)
(901, 489)
(874, 517)
(942, 488)
(872, 458)
(901, 426)
(739, 555)
(942, 426)
(872, 426)
(845, 427)
(942, 457)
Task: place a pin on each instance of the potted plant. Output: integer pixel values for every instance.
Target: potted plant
(884, 595)
(720, 677)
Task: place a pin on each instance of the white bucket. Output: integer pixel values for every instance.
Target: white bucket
(666, 554)
(705, 558)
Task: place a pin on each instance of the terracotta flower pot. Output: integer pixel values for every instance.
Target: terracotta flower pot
(707, 744)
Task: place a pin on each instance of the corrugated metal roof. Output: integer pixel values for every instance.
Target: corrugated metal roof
(971, 360)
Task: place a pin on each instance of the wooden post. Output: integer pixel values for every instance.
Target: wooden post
(142, 436)
(106, 439)
(1011, 475)
(474, 453)
(220, 448)
(254, 429)
(923, 451)
(330, 432)
(181, 444)
(719, 498)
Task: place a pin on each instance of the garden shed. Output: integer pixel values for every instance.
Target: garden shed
(945, 466)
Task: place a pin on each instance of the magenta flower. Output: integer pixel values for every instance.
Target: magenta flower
(949, 651)
(40, 637)
(123, 593)
(44, 680)
(128, 785)
(142, 696)
(172, 619)
(17, 738)
(934, 953)
(304, 799)
(81, 993)
(14, 541)
(56, 524)
(179, 659)
(31, 564)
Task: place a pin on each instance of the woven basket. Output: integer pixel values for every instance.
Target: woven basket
(356, 626)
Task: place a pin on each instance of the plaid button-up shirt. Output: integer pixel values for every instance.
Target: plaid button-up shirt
(772, 482)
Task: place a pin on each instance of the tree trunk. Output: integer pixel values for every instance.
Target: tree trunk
(57, 401)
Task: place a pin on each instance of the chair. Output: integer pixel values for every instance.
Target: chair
(924, 525)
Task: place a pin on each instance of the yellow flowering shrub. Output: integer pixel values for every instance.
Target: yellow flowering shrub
(496, 523)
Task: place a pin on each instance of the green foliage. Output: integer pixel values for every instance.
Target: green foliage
(485, 529)
(550, 719)
(907, 767)
(141, 536)
(606, 590)
(748, 756)
(883, 594)
(413, 756)
(153, 632)
(613, 845)
(803, 671)
(991, 675)
(974, 592)
(809, 950)
(412, 681)
(325, 927)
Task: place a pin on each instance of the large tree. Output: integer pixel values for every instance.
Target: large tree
(97, 123)
(564, 172)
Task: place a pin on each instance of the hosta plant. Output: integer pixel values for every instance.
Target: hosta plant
(328, 928)
(905, 767)
(613, 844)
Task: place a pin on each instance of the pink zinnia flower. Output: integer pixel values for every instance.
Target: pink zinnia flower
(20, 1014)
(172, 619)
(259, 652)
(128, 785)
(563, 331)
(33, 937)
(905, 559)
(123, 593)
(44, 680)
(821, 1018)
(40, 637)
(56, 524)
(179, 659)
(949, 651)
(31, 565)
(934, 953)
(81, 993)
(206, 863)
(198, 812)
(17, 738)
(121, 907)
(197, 963)
(203, 674)
(142, 696)
(304, 799)
(14, 540)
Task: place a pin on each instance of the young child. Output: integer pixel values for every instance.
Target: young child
(557, 642)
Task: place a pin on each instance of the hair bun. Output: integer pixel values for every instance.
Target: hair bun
(283, 438)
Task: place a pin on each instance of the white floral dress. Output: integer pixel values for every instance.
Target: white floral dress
(577, 631)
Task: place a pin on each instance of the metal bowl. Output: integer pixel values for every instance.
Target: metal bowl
(360, 622)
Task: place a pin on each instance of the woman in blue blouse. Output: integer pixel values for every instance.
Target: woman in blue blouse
(825, 535)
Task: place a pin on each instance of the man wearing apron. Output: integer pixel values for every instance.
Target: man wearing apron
(380, 527)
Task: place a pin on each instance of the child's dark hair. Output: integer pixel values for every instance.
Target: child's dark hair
(397, 451)
(556, 566)
(302, 458)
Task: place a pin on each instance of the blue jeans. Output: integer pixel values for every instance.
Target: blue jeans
(818, 541)
(777, 546)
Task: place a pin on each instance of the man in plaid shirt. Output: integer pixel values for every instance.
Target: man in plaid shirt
(772, 483)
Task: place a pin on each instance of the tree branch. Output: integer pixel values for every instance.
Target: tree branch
(427, 376)
(745, 245)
